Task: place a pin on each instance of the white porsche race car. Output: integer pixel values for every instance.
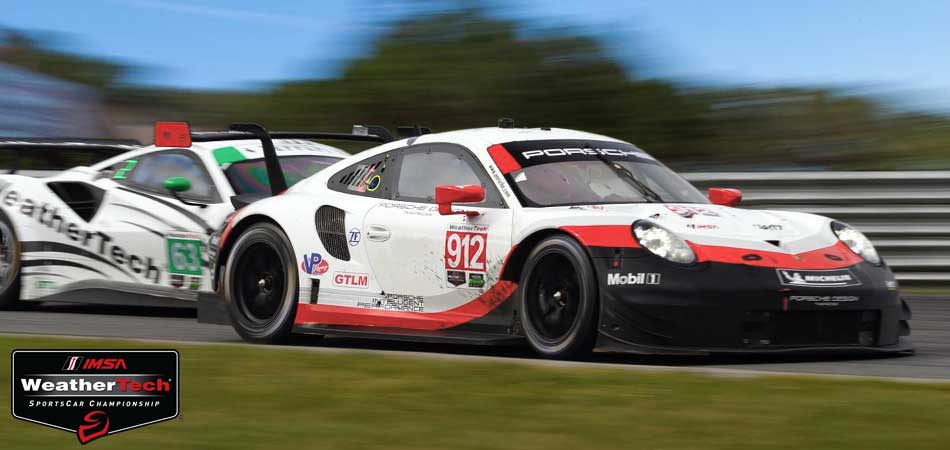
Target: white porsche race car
(566, 239)
(132, 229)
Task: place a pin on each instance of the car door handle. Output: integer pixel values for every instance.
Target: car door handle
(378, 233)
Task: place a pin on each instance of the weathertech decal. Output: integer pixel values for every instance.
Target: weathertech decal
(817, 278)
(95, 243)
(94, 393)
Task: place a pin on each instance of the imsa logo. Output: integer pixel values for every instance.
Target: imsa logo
(94, 393)
(616, 279)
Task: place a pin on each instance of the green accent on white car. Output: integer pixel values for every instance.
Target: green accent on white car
(228, 155)
(129, 165)
(184, 256)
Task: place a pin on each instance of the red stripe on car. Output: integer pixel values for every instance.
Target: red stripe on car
(603, 235)
(833, 257)
(346, 315)
(505, 162)
(620, 236)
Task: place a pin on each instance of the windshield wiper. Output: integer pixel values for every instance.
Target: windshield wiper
(624, 173)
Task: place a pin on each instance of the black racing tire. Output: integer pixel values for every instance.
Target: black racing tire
(559, 300)
(261, 284)
(9, 265)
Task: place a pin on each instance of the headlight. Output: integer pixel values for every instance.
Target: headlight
(662, 242)
(857, 242)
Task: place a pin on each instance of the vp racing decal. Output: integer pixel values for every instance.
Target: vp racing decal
(314, 264)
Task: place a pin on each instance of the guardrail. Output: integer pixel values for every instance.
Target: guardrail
(905, 214)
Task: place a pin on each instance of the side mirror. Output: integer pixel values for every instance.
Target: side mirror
(447, 194)
(725, 197)
(177, 184)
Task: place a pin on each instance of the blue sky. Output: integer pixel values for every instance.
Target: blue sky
(891, 47)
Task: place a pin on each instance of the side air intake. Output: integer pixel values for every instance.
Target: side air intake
(332, 232)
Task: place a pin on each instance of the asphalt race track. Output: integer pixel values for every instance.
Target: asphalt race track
(930, 325)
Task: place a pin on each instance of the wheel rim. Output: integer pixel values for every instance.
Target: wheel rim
(260, 283)
(7, 256)
(554, 298)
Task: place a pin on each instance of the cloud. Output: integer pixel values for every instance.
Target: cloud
(221, 13)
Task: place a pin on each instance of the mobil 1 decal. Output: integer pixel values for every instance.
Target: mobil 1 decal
(466, 246)
(95, 393)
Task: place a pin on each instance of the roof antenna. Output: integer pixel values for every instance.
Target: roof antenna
(506, 122)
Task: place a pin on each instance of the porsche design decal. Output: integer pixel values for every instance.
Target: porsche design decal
(395, 302)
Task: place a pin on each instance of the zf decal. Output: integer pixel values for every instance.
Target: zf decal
(95, 393)
(465, 251)
(314, 264)
(184, 256)
(354, 236)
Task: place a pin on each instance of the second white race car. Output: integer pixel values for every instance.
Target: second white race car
(133, 228)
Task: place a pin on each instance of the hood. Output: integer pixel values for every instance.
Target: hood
(707, 224)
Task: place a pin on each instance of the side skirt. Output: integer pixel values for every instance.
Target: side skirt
(450, 337)
(104, 292)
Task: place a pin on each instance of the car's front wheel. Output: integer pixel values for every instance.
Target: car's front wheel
(260, 284)
(559, 304)
(9, 265)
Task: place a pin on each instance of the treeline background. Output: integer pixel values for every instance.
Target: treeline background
(467, 68)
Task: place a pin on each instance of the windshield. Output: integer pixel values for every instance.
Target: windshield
(578, 172)
(250, 176)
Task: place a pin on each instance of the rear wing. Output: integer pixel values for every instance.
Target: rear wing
(47, 156)
(179, 134)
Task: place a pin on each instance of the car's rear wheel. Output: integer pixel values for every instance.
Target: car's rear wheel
(260, 284)
(559, 304)
(9, 265)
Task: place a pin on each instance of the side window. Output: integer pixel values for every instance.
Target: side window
(368, 178)
(422, 169)
(150, 171)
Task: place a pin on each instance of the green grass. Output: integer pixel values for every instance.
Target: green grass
(243, 397)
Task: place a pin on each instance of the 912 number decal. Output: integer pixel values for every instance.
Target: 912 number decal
(465, 251)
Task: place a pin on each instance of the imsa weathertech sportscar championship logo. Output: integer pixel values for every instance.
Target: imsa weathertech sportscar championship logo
(818, 278)
(95, 393)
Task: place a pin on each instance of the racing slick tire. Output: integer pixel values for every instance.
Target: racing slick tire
(9, 265)
(559, 303)
(261, 285)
